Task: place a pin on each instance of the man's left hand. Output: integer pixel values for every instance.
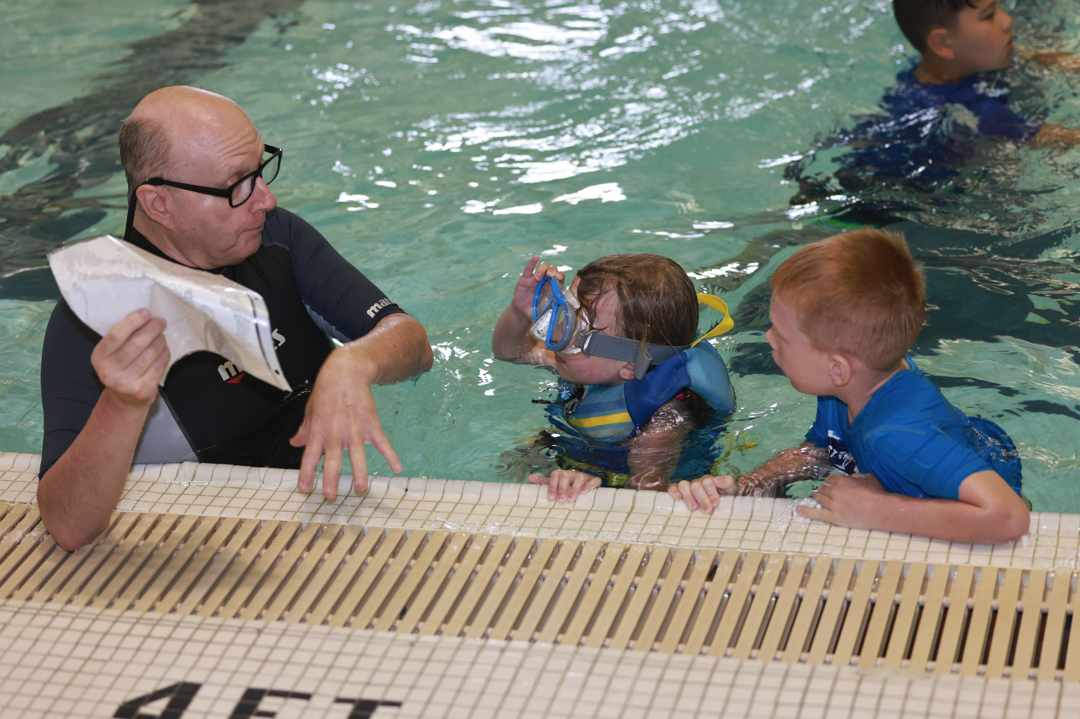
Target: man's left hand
(341, 415)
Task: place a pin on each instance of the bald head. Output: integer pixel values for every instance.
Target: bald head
(171, 122)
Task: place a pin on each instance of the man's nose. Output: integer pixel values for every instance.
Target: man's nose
(1006, 20)
(263, 200)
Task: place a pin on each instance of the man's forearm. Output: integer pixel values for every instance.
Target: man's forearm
(78, 494)
(397, 349)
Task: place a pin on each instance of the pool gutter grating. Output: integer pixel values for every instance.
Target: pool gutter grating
(930, 618)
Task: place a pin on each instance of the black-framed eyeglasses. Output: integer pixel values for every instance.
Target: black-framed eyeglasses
(238, 192)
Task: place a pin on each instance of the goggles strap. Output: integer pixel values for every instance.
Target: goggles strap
(627, 350)
(642, 360)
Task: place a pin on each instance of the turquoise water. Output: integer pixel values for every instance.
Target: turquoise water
(440, 144)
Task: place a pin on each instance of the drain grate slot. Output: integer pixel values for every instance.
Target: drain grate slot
(933, 618)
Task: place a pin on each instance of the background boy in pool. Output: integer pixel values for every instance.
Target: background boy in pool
(960, 40)
(618, 406)
(844, 312)
(941, 104)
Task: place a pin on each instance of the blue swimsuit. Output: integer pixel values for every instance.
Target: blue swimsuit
(913, 439)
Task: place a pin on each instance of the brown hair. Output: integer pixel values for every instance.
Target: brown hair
(657, 300)
(860, 293)
(917, 18)
(144, 150)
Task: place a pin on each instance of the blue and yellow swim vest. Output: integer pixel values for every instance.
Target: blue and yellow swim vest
(614, 413)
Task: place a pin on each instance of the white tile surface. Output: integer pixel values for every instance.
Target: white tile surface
(62, 662)
(605, 514)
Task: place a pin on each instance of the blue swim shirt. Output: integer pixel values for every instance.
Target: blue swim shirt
(913, 439)
(983, 94)
(921, 138)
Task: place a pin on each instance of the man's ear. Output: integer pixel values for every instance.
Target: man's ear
(626, 372)
(939, 42)
(840, 369)
(155, 204)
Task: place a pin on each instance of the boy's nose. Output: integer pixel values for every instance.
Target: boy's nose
(1006, 20)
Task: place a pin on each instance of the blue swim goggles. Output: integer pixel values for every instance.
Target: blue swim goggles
(560, 325)
(556, 315)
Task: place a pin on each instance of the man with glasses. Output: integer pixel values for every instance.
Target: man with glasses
(198, 175)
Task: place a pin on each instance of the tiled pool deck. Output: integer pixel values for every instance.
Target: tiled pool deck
(67, 662)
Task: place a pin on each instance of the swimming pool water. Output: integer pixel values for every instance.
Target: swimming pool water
(439, 144)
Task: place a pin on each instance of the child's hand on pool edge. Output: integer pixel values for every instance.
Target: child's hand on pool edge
(564, 485)
(530, 278)
(704, 492)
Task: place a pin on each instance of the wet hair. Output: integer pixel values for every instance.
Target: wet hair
(144, 150)
(657, 300)
(860, 293)
(917, 18)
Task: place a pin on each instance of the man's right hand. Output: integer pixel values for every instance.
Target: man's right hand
(78, 494)
(131, 358)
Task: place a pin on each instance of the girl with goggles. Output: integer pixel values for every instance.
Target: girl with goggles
(620, 402)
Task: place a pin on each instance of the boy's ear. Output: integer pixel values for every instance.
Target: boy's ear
(154, 204)
(840, 370)
(940, 43)
(626, 372)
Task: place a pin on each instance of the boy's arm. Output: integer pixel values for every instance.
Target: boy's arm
(1054, 59)
(786, 467)
(987, 510)
(655, 449)
(764, 481)
(1051, 135)
(511, 341)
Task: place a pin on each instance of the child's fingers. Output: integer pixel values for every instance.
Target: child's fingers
(530, 266)
(683, 490)
(559, 487)
(558, 484)
(823, 491)
(704, 492)
(582, 483)
(543, 268)
(574, 488)
(569, 485)
(564, 485)
(726, 484)
(820, 514)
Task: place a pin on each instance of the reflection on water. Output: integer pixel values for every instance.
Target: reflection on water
(78, 138)
(439, 144)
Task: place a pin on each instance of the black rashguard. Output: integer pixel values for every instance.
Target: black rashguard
(209, 409)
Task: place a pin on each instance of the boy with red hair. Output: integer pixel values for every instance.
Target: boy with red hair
(844, 313)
